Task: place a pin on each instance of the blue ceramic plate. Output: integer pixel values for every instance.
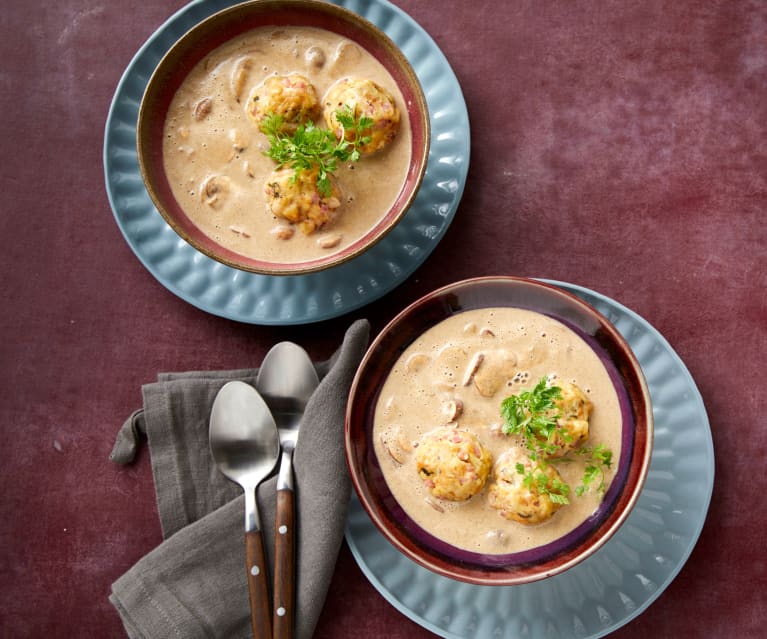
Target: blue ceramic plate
(618, 582)
(263, 299)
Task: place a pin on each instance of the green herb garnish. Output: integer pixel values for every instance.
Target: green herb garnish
(311, 147)
(533, 415)
(556, 489)
(356, 126)
(598, 459)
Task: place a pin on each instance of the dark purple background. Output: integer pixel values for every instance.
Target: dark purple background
(621, 146)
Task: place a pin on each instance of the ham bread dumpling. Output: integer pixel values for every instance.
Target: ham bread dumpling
(519, 500)
(292, 97)
(363, 98)
(452, 463)
(574, 409)
(295, 197)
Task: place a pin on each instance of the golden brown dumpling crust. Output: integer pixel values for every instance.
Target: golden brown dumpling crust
(574, 409)
(453, 463)
(513, 500)
(296, 199)
(292, 97)
(365, 98)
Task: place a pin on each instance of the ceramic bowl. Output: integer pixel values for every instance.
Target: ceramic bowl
(630, 468)
(221, 28)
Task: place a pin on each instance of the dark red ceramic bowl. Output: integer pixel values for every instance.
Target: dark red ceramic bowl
(218, 29)
(630, 469)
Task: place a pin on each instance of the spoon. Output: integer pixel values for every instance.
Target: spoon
(286, 380)
(245, 446)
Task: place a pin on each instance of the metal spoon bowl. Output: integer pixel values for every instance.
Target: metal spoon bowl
(245, 446)
(286, 380)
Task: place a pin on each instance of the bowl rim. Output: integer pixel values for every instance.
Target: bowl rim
(488, 573)
(389, 54)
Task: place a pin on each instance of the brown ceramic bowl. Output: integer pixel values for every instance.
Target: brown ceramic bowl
(220, 28)
(630, 468)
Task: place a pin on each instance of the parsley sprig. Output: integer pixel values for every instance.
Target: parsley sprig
(533, 415)
(598, 459)
(536, 477)
(356, 126)
(312, 147)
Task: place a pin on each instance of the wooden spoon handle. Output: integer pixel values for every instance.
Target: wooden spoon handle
(260, 617)
(284, 565)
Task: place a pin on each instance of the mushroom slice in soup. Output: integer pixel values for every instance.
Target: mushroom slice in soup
(498, 367)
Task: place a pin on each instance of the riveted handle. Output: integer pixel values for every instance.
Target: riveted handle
(260, 615)
(284, 565)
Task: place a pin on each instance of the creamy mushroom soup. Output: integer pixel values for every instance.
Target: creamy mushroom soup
(214, 152)
(457, 374)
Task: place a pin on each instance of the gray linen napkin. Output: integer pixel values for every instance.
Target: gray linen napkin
(194, 584)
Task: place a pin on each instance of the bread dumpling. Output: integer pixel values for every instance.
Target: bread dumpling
(574, 409)
(452, 463)
(518, 500)
(292, 97)
(295, 197)
(368, 99)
